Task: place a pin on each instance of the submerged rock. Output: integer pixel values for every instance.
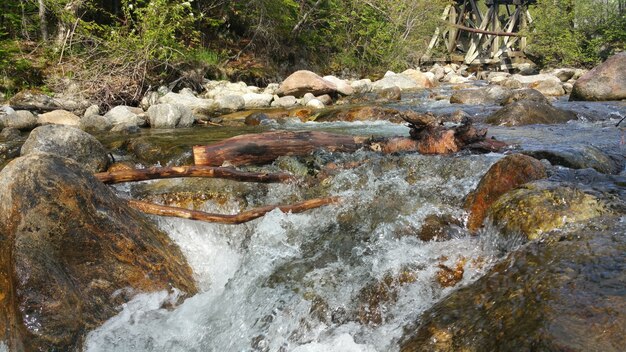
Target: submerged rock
(68, 142)
(561, 296)
(362, 113)
(579, 157)
(505, 175)
(527, 112)
(72, 252)
(606, 81)
(540, 207)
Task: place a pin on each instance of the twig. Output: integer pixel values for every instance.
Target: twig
(162, 210)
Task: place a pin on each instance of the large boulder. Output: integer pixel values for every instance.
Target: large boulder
(421, 78)
(488, 95)
(605, 82)
(59, 117)
(539, 207)
(528, 112)
(71, 253)
(302, 82)
(566, 295)
(68, 142)
(169, 116)
(199, 106)
(506, 174)
(230, 103)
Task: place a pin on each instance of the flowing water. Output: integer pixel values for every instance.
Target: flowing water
(345, 277)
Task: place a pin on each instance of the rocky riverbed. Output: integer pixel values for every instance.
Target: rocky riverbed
(516, 249)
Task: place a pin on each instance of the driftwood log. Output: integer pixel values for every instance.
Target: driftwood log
(191, 171)
(156, 209)
(428, 136)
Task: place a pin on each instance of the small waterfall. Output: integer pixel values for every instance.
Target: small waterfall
(312, 281)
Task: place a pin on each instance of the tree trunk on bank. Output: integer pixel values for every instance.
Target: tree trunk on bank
(43, 22)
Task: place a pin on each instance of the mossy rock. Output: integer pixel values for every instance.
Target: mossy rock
(540, 207)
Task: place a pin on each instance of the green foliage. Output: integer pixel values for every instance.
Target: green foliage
(576, 33)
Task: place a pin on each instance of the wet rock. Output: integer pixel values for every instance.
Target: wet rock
(579, 157)
(401, 81)
(527, 112)
(10, 134)
(255, 101)
(59, 117)
(20, 119)
(169, 116)
(449, 277)
(561, 296)
(363, 113)
(505, 175)
(375, 298)
(487, 95)
(257, 118)
(167, 153)
(68, 142)
(390, 94)
(549, 88)
(422, 80)
(343, 87)
(124, 115)
(302, 82)
(606, 81)
(71, 253)
(525, 94)
(95, 124)
(540, 207)
(439, 228)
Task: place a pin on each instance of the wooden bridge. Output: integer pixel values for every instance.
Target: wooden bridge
(481, 33)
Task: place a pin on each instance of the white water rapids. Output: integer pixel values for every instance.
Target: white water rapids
(291, 282)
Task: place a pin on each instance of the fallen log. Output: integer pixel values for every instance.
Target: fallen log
(191, 171)
(266, 147)
(248, 215)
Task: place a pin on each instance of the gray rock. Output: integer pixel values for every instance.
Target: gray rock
(10, 134)
(568, 87)
(94, 124)
(170, 116)
(564, 74)
(68, 142)
(255, 100)
(149, 99)
(390, 93)
(198, 106)
(527, 112)
(487, 95)
(525, 94)
(230, 103)
(59, 117)
(401, 81)
(549, 88)
(579, 157)
(307, 98)
(20, 119)
(315, 104)
(124, 115)
(271, 88)
(362, 86)
(325, 99)
(92, 110)
(125, 128)
(288, 101)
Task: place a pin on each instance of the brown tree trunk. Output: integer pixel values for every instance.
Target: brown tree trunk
(43, 22)
(191, 171)
(162, 210)
(264, 148)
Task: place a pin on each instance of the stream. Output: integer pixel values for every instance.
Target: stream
(345, 277)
